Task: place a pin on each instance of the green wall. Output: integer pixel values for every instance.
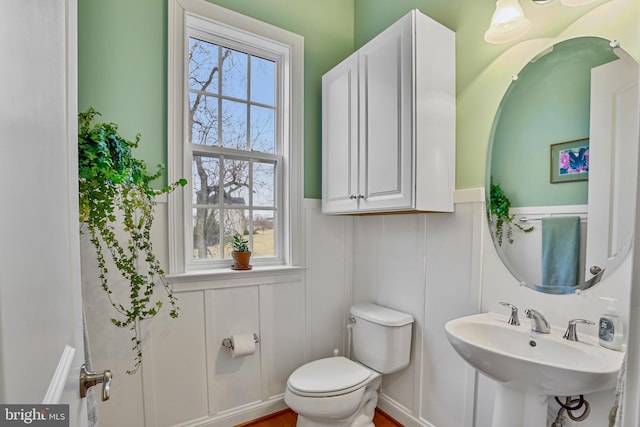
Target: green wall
(483, 70)
(327, 27)
(373, 16)
(123, 52)
(122, 62)
(468, 19)
(547, 104)
(123, 43)
(478, 103)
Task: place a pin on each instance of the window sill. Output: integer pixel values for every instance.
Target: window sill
(227, 278)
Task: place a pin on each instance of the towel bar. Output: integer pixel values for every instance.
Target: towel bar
(583, 218)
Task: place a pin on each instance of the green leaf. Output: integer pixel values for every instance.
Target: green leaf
(115, 194)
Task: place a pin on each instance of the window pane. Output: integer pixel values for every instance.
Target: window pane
(263, 129)
(206, 233)
(263, 81)
(206, 176)
(234, 73)
(236, 182)
(232, 138)
(264, 184)
(203, 66)
(203, 119)
(236, 221)
(263, 233)
(234, 125)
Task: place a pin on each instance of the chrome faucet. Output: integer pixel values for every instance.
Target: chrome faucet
(538, 321)
(513, 319)
(570, 334)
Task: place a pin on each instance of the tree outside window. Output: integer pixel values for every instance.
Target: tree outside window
(235, 160)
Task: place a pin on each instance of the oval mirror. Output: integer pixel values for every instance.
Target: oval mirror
(562, 166)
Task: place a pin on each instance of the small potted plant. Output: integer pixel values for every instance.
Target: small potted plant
(241, 253)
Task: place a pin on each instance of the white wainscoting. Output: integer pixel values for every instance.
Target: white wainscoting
(427, 265)
(194, 380)
(188, 378)
(434, 266)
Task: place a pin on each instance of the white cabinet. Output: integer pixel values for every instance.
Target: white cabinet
(340, 137)
(388, 122)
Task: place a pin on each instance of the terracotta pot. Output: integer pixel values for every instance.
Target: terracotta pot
(241, 260)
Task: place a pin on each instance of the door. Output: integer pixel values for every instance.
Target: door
(340, 137)
(386, 122)
(612, 159)
(40, 296)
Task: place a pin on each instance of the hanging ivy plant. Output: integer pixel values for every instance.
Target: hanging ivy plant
(499, 205)
(115, 196)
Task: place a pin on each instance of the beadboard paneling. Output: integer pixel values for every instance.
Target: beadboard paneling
(176, 362)
(282, 339)
(233, 382)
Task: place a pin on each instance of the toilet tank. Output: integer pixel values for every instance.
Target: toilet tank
(381, 337)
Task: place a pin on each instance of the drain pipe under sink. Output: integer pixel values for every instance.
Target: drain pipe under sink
(570, 406)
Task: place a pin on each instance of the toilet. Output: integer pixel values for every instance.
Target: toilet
(337, 391)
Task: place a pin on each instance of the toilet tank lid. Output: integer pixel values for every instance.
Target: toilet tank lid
(381, 315)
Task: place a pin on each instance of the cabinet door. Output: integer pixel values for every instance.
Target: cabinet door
(340, 138)
(385, 65)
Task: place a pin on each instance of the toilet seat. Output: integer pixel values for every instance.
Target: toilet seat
(332, 376)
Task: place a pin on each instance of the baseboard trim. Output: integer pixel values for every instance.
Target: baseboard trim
(240, 415)
(284, 417)
(284, 412)
(399, 413)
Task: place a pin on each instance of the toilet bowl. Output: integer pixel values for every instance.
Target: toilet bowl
(333, 392)
(340, 392)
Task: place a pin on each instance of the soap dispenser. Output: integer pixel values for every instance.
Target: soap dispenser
(610, 332)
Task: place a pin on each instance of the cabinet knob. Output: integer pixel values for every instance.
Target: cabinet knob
(352, 197)
(360, 196)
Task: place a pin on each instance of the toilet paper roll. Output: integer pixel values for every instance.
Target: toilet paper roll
(243, 345)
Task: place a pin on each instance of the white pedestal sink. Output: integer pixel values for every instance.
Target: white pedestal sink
(529, 366)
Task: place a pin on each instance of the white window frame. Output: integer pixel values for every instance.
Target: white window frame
(186, 18)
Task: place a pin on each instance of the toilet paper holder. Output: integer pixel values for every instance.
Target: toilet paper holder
(228, 342)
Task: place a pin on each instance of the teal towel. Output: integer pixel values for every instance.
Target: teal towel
(560, 253)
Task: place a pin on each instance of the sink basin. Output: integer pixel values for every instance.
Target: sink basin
(542, 364)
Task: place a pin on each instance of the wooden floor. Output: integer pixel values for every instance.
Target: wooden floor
(287, 418)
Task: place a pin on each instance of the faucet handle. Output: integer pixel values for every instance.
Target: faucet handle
(571, 334)
(513, 319)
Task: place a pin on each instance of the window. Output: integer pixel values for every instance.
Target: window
(232, 137)
(235, 133)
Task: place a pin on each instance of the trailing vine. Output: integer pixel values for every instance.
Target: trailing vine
(499, 205)
(115, 196)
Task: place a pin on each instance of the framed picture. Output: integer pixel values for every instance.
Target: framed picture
(570, 161)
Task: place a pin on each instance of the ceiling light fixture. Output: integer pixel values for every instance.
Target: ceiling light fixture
(508, 23)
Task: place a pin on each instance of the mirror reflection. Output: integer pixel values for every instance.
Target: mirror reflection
(562, 166)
